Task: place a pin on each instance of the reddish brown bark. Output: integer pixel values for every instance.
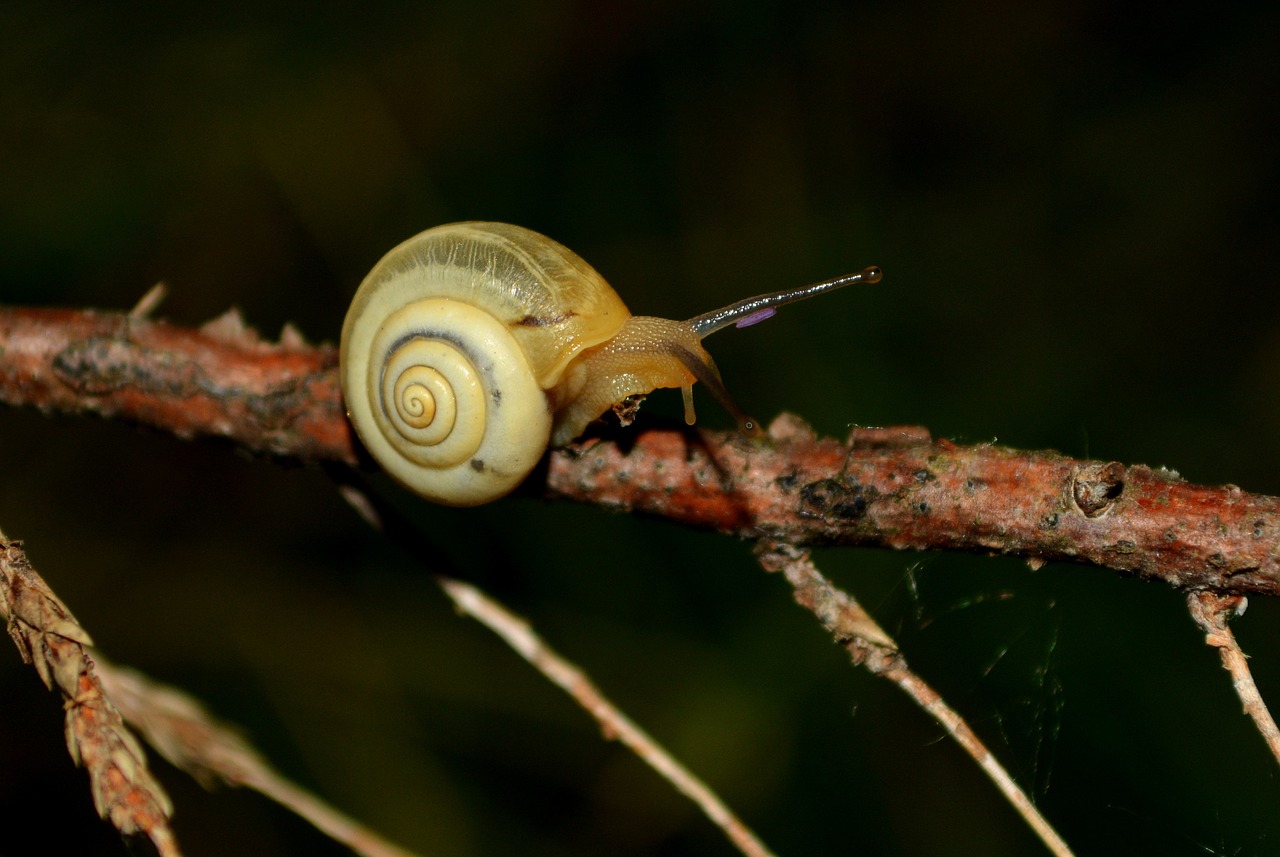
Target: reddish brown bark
(216, 380)
(889, 487)
(935, 495)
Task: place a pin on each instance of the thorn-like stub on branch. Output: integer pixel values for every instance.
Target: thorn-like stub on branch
(789, 427)
(1096, 487)
(292, 338)
(147, 304)
(231, 328)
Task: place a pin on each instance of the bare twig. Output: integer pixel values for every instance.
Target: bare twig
(192, 739)
(613, 723)
(50, 639)
(150, 302)
(892, 488)
(873, 649)
(518, 634)
(1213, 612)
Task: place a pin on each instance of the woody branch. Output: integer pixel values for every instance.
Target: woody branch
(883, 487)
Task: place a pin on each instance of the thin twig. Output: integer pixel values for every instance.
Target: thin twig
(193, 740)
(873, 649)
(518, 634)
(613, 723)
(50, 639)
(149, 302)
(1212, 612)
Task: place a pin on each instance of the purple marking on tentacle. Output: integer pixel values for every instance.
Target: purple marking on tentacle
(757, 317)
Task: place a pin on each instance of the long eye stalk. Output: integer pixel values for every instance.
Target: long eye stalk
(757, 309)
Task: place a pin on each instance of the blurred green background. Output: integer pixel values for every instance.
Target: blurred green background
(1075, 208)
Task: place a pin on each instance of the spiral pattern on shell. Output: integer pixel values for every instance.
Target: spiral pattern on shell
(448, 403)
(427, 398)
(458, 345)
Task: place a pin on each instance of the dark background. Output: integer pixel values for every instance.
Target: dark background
(1075, 211)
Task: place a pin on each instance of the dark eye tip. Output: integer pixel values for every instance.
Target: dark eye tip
(872, 274)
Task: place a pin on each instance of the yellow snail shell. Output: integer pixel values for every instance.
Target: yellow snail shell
(471, 347)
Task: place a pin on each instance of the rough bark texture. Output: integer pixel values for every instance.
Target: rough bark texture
(935, 495)
(220, 379)
(886, 487)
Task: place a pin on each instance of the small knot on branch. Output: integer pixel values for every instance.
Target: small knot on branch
(1096, 487)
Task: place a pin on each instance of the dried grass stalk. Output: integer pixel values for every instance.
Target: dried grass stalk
(50, 639)
(187, 735)
(871, 648)
(1212, 611)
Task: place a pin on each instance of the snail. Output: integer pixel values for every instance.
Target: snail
(471, 347)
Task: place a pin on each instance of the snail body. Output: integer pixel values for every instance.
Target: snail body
(471, 347)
